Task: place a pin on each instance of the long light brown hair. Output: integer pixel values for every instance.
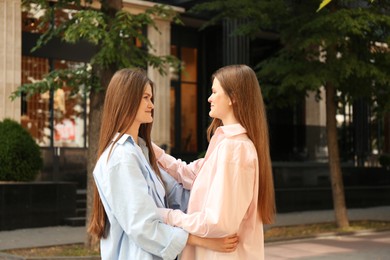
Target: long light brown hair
(240, 83)
(123, 97)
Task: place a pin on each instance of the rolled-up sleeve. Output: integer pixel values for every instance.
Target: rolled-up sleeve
(231, 193)
(136, 212)
(184, 173)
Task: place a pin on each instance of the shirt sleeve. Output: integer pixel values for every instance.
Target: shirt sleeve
(182, 172)
(177, 196)
(231, 193)
(136, 211)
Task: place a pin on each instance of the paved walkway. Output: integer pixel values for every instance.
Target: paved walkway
(38, 237)
(359, 246)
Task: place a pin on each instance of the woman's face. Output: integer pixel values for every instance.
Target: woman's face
(144, 113)
(220, 103)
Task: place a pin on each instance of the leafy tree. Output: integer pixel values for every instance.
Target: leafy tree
(326, 2)
(115, 32)
(344, 48)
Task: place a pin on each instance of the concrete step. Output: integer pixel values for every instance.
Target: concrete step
(81, 204)
(81, 212)
(75, 221)
(80, 215)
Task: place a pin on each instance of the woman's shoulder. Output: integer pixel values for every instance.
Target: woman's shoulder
(240, 143)
(121, 152)
(239, 139)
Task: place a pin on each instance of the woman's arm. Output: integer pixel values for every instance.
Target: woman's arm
(184, 173)
(230, 193)
(176, 195)
(225, 244)
(127, 195)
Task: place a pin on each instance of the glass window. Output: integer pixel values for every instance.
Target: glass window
(189, 110)
(35, 109)
(184, 102)
(69, 110)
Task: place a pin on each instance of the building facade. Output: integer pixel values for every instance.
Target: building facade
(59, 120)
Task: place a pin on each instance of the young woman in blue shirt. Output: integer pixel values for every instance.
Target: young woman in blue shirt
(129, 186)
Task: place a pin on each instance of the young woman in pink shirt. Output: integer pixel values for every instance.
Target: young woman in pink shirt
(232, 186)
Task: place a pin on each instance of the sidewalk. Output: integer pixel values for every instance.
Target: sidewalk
(360, 246)
(48, 236)
(39, 237)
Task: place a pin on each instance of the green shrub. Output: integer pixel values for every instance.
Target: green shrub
(20, 156)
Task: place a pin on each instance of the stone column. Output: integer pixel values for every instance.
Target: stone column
(161, 42)
(315, 111)
(10, 57)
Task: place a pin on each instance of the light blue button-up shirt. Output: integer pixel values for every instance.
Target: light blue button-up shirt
(131, 192)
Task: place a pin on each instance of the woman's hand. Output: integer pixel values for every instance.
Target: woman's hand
(224, 244)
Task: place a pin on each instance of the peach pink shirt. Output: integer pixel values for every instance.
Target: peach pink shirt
(224, 191)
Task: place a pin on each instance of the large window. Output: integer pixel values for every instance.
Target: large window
(65, 124)
(35, 110)
(56, 118)
(184, 102)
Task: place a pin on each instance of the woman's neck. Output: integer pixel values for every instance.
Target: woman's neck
(229, 119)
(133, 131)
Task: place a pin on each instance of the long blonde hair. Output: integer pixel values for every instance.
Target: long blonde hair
(240, 83)
(123, 97)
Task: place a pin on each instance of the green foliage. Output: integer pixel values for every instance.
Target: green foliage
(114, 33)
(346, 40)
(20, 156)
(245, 9)
(74, 78)
(326, 2)
(117, 37)
(344, 45)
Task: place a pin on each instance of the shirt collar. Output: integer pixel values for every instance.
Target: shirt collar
(231, 130)
(126, 137)
(123, 139)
